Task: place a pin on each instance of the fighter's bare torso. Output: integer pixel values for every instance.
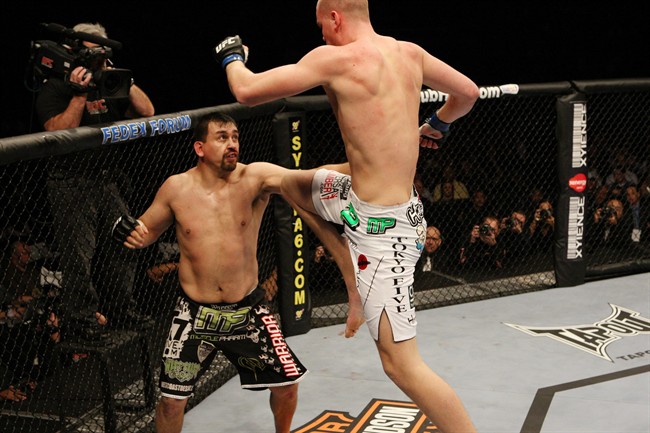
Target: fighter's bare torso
(217, 227)
(379, 92)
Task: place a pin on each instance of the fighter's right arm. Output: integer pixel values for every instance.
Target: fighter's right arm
(314, 69)
(144, 231)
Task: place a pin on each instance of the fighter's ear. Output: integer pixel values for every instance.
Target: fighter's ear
(335, 17)
(198, 148)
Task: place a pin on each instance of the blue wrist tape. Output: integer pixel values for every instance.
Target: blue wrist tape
(231, 58)
(438, 124)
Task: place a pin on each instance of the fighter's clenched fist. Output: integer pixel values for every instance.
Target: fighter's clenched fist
(229, 50)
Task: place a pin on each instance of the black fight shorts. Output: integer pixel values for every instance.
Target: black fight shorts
(247, 334)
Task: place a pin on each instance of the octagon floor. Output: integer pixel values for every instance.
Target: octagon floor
(556, 361)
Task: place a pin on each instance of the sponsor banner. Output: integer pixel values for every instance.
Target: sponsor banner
(293, 252)
(379, 416)
(568, 252)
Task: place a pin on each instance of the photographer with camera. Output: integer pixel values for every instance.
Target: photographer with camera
(84, 192)
(542, 227)
(608, 229)
(483, 250)
(514, 238)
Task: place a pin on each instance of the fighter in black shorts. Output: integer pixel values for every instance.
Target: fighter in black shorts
(217, 208)
(246, 332)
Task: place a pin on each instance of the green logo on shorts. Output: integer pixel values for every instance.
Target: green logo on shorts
(210, 320)
(378, 226)
(350, 217)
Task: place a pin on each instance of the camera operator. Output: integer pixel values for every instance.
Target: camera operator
(85, 199)
(483, 250)
(542, 227)
(74, 101)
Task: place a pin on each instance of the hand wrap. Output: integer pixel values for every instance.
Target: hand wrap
(440, 126)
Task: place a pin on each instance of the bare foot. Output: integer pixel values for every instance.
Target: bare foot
(354, 321)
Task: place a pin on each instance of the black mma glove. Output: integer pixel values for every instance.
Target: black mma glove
(438, 125)
(123, 227)
(230, 50)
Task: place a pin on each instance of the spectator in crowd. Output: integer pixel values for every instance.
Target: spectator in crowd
(593, 179)
(85, 200)
(619, 180)
(29, 322)
(482, 250)
(450, 188)
(638, 164)
(608, 229)
(21, 275)
(435, 258)
(477, 208)
(542, 227)
(29, 327)
(597, 198)
(531, 204)
(644, 189)
(514, 238)
(633, 167)
(637, 215)
(469, 212)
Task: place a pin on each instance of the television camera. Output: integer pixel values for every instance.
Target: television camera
(58, 59)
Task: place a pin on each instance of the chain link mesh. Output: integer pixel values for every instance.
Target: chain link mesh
(57, 211)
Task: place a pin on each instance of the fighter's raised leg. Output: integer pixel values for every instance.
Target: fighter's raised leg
(296, 189)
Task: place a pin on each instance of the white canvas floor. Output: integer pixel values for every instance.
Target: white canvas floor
(509, 380)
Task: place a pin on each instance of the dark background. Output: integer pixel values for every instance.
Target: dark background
(168, 45)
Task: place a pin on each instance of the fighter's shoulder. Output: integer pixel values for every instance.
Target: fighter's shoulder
(410, 48)
(177, 182)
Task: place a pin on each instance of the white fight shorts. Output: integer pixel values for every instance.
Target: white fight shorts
(385, 243)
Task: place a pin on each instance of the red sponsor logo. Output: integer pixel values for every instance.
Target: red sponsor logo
(578, 182)
(362, 262)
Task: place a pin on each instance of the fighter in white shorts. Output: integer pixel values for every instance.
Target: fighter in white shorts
(385, 243)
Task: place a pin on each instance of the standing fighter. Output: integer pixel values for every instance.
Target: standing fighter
(373, 83)
(217, 208)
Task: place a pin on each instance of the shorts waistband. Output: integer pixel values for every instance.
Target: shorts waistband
(253, 298)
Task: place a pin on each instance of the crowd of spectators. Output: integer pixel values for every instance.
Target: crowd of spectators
(488, 229)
